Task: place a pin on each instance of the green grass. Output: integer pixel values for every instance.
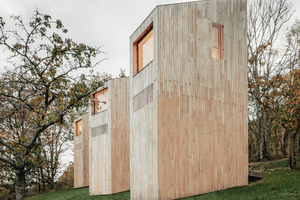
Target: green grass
(77, 194)
(268, 166)
(280, 183)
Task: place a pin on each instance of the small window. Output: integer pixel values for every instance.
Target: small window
(218, 41)
(100, 101)
(78, 127)
(143, 50)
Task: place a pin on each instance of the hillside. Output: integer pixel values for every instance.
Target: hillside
(280, 183)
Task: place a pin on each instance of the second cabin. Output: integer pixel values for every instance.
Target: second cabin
(109, 138)
(81, 151)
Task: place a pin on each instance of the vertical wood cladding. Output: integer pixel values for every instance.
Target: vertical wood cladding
(202, 100)
(81, 154)
(143, 122)
(100, 155)
(201, 103)
(120, 122)
(109, 142)
(86, 150)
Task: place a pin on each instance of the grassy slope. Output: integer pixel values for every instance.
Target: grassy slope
(280, 183)
(77, 194)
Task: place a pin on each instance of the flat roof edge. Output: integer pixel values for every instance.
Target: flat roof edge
(156, 7)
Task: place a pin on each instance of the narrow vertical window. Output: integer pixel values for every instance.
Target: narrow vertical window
(78, 127)
(218, 41)
(100, 101)
(143, 50)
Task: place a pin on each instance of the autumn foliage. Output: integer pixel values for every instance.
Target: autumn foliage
(40, 88)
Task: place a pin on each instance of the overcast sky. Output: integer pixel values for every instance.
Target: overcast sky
(107, 23)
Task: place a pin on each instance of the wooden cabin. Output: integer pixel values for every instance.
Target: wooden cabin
(81, 151)
(109, 138)
(188, 97)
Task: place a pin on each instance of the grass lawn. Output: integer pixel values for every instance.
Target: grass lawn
(280, 183)
(77, 194)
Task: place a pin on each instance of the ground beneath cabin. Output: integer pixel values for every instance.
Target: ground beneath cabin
(280, 183)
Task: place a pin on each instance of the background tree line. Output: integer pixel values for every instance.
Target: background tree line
(273, 81)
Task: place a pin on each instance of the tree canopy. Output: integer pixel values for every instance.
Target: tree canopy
(41, 88)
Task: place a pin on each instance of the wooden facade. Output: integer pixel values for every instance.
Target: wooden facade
(81, 152)
(109, 141)
(188, 127)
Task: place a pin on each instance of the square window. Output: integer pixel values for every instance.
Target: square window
(100, 101)
(78, 127)
(218, 41)
(143, 50)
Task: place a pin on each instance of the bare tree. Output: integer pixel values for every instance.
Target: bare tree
(266, 19)
(52, 146)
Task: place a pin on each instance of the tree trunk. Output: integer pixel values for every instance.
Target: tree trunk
(51, 183)
(20, 184)
(276, 142)
(269, 127)
(42, 179)
(261, 155)
(262, 131)
(259, 139)
(44, 186)
(297, 142)
(285, 142)
(251, 146)
(292, 150)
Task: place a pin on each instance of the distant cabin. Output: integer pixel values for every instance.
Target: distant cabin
(81, 151)
(109, 163)
(188, 100)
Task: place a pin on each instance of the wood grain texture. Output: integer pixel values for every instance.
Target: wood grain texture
(100, 156)
(194, 133)
(109, 142)
(143, 124)
(81, 154)
(120, 129)
(86, 150)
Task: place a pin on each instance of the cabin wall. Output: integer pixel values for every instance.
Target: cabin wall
(144, 122)
(78, 161)
(100, 154)
(86, 145)
(202, 101)
(81, 154)
(120, 133)
(109, 141)
(192, 138)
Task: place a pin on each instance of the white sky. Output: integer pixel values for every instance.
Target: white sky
(107, 23)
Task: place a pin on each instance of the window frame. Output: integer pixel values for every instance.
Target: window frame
(218, 41)
(77, 128)
(136, 67)
(93, 107)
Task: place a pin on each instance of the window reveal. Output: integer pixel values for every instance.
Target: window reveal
(218, 41)
(143, 50)
(100, 101)
(78, 128)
